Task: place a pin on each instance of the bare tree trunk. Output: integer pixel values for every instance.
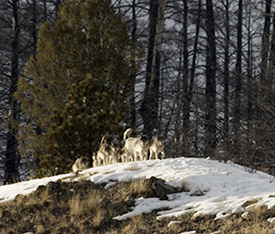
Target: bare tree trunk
(177, 136)
(226, 81)
(264, 58)
(210, 122)
(238, 82)
(45, 14)
(34, 23)
(145, 110)
(272, 56)
(250, 89)
(186, 98)
(194, 59)
(132, 103)
(149, 107)
(12, 155)
(192, 74)
(155, 78)
(265, 42)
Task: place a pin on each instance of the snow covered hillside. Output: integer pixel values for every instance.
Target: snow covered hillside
(214, 188)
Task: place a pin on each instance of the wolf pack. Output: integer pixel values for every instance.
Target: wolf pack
(134, 149)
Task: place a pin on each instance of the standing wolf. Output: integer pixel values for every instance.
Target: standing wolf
(103, 152)
(157, 147)
(136, 148)
(107, 153)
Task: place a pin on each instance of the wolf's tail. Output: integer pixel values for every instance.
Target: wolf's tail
(103, 140)
(127, 133)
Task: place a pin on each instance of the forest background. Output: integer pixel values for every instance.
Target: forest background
(205, 80)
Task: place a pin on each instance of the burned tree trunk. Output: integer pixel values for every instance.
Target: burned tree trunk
(12, 156)
(210, 124)
(149, 108)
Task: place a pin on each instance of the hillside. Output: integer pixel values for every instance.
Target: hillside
(182, 195)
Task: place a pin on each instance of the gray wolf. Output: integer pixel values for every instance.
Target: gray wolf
(136, 148)
(80, 164)
(103, 152)
(107, 153)
(114, 156)
(157, 148)
(123, 156)
(95, 160)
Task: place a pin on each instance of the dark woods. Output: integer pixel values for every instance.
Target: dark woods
(199, 72)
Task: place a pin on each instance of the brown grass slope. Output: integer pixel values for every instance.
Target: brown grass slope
(85, 207)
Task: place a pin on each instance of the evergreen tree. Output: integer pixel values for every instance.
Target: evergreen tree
(80, 78)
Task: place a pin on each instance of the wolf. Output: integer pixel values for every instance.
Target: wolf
(95, 160)
(80, 164)
(108, 153)
(157, 148)
(103, 152)
(123, 156)
(114, 156)
(136, 148)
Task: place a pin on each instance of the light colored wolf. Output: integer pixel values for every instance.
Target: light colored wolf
(123, 155)
(80, 164)
(114, 157)
(136, 148)
(107, 153)
(103, 152)
(157, 148)
(96, 163)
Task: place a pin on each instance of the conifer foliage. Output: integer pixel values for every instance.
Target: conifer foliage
(77, 86)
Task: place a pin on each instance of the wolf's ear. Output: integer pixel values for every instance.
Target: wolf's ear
(103, 140)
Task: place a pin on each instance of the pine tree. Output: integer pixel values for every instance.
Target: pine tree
(80, 79)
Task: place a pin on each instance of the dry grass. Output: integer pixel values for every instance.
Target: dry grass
(45, 196)
(136, 225)
(63, 227)
(84, 207)
(174, 226)
(258, 212)
(40, 229)
(76, 206)
(139, 186)
(94, 199)
(92, 202)
(254, 223)
(98, 217)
